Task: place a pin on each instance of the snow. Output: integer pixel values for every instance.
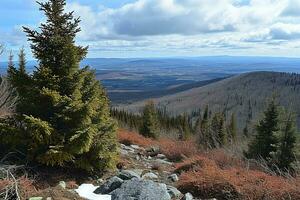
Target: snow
(87, 191)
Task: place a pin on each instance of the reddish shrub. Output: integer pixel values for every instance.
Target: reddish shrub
(223, 159)
(72, 185)
(194, 163)
(174, 150)
(128, 138)
(206, 179)
(25, 187)
(177, 150)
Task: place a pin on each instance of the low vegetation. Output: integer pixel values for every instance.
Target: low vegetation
(216, 173)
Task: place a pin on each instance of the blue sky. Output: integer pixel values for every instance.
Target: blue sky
(158, 28)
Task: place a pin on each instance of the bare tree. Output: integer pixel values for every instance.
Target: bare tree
(8, 98)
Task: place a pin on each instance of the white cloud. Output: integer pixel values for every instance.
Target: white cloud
(191, 27)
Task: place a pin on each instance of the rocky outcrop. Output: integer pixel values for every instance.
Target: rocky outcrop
(139, 189)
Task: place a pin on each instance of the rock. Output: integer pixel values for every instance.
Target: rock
(127, 148)
(161, 156)
(62, 184)
(137, 147)
(35, 198)
(110, 185)
(173, 177)
(123, 152)
(139, 189)
(173, 192)
(137, 157)
(87, 191)
(188, 196)
(162, 162)
(153, 151)
(138, 171)
(48, 198)
(150, 175)
(128, 174)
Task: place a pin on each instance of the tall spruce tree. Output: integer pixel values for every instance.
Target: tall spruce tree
(150, 124)
(217, 131)
(66, 119)
(287, 141)
(204, 129)
(232, 129)
(185, 128)
(265, 141)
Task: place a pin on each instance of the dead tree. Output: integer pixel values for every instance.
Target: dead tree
(8, 99)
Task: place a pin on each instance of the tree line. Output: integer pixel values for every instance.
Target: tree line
(274, 138)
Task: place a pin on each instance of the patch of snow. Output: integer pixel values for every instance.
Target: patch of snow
(87, 191)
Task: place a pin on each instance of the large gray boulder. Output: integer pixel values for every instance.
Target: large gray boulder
(109, 186)
(139, 189)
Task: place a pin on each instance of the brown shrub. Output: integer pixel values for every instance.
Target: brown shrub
(193, 164)
(173, 149)
(128, 138)
(24, 186)
(223, 159)
(177, 150)
(206, 179)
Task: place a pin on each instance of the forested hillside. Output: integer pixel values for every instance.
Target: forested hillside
(245, 95)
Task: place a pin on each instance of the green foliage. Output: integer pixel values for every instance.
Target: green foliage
(287, 142)
(217, 131)
(276, 138)
(150, 124)
(232, 128)
(184, 127)
(265, 141)
(63, 110)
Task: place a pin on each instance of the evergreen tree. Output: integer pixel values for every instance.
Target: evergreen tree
(217, 134)
(185, 128)
(265, 141)
(246, 131)
(150, 122)
(232, 129)
(204, 129)
(287, 143)
(66, 119)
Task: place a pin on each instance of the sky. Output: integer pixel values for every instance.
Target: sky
(167, 28)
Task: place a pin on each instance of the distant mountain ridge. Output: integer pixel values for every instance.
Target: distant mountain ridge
(245, 95)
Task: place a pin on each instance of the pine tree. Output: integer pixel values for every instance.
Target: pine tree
(246, 131)
(185, 128)
(287, 143)
(217, 134)
(232, 129)
(150, 123)
(265, 141)
(204, 129)
(66, 119)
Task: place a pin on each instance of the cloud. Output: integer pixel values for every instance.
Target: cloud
(160, 17)
(292, 9)
(277, 32)
(186, 26)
